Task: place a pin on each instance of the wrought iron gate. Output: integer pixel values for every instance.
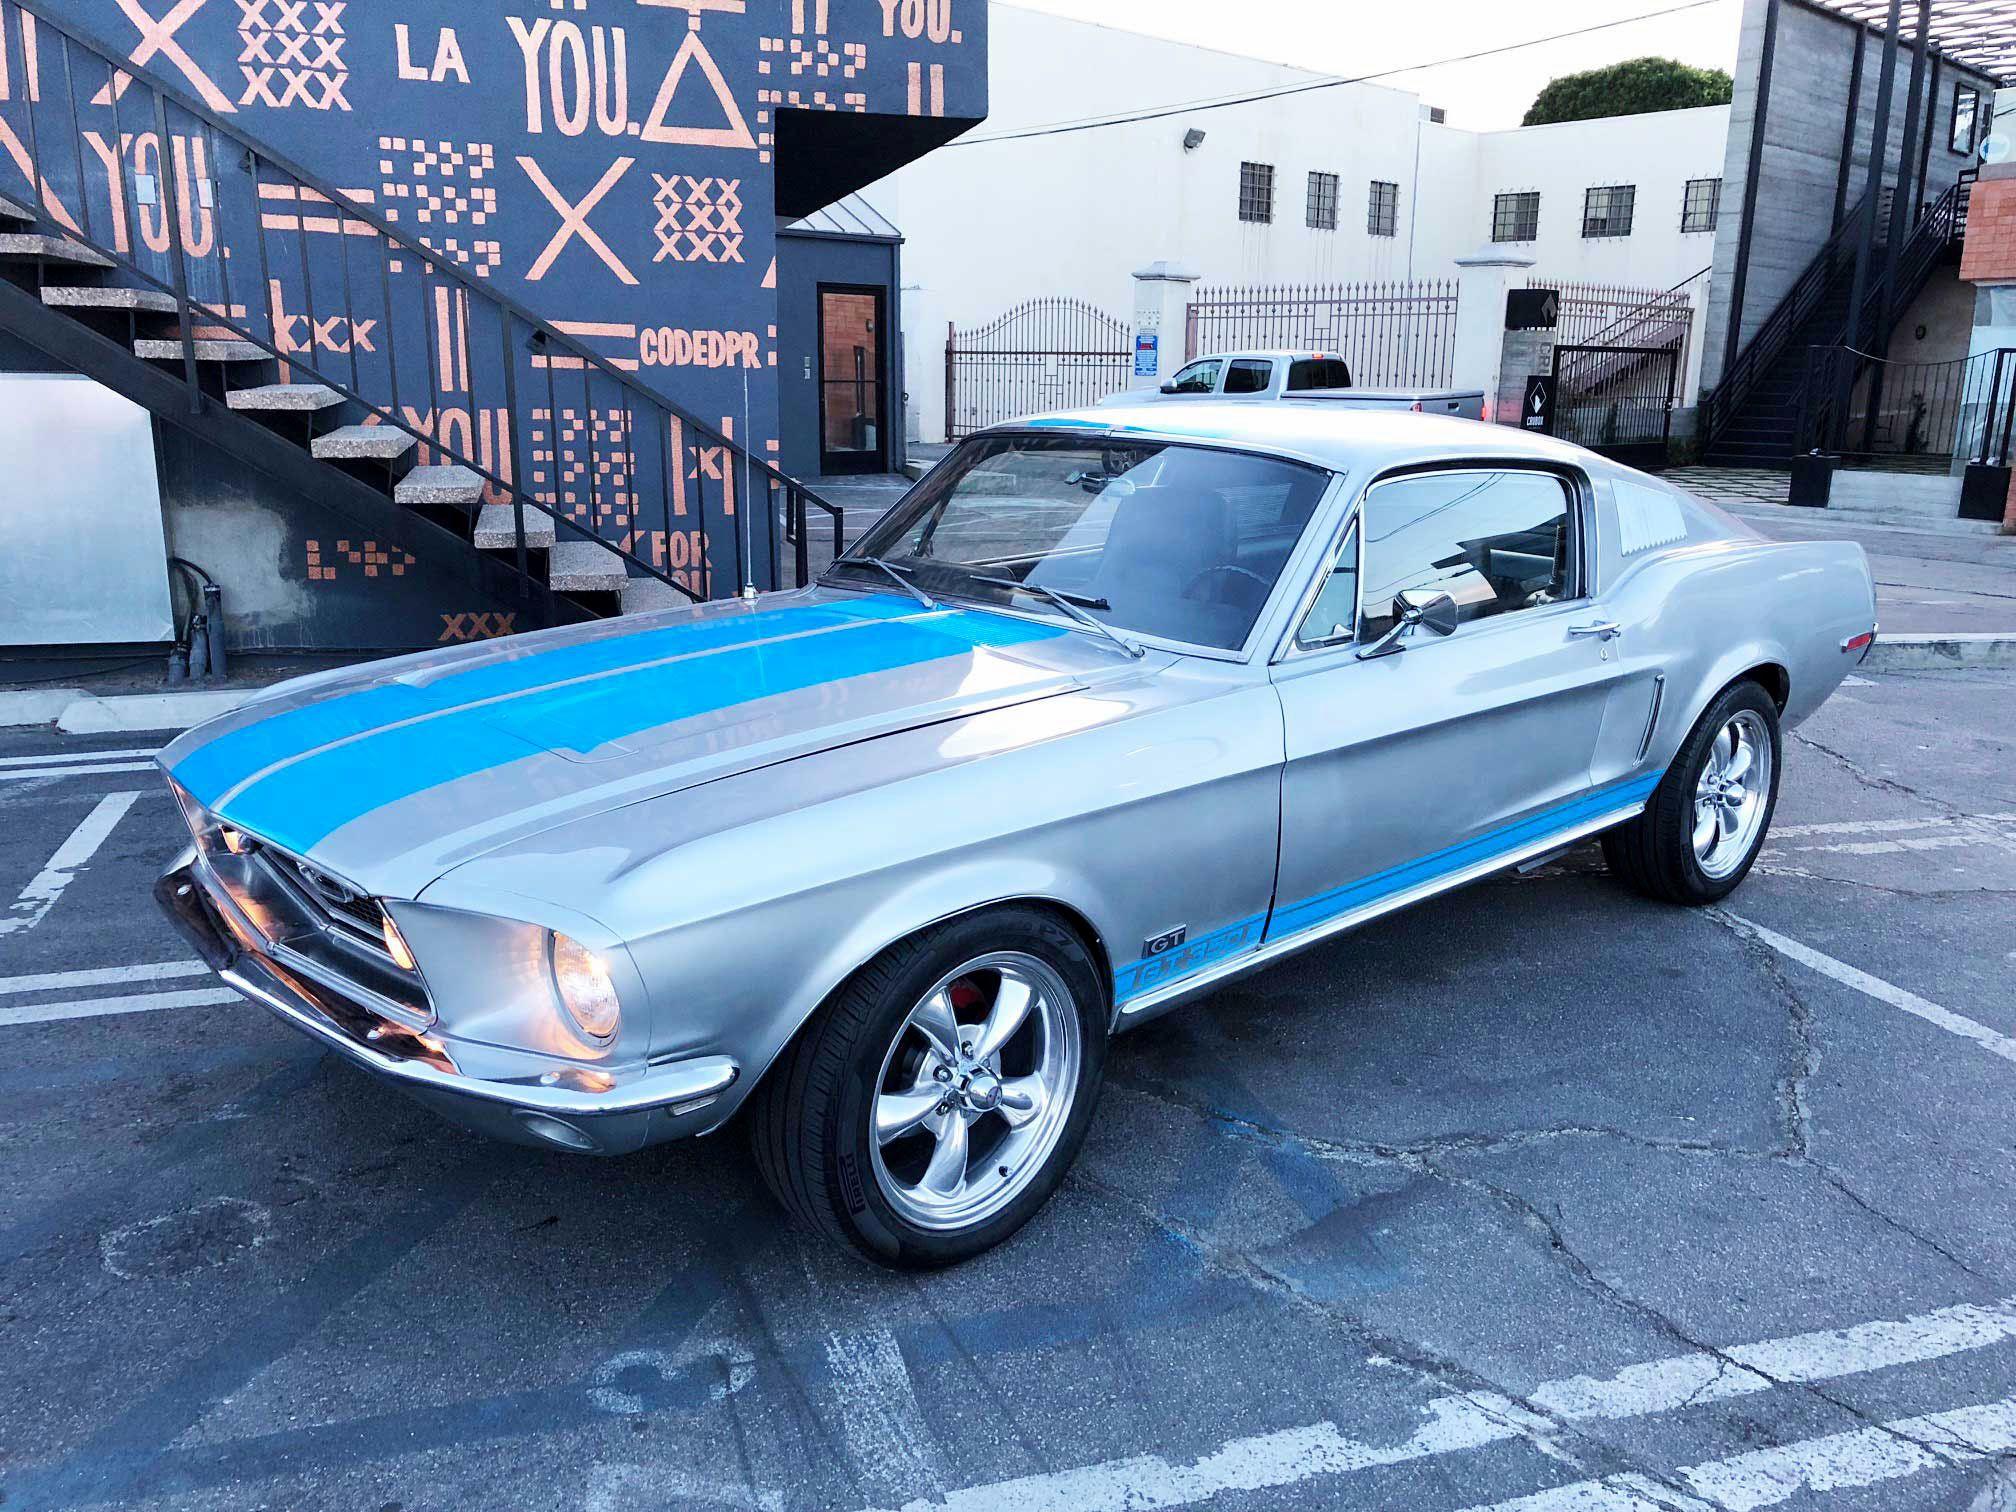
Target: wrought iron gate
(1617, 400)
(1392, 335)
(1043, 354)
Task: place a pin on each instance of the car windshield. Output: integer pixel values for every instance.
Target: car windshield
(1178, 542)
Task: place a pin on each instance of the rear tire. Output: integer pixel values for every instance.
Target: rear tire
(1700, 833)
(934, 1103)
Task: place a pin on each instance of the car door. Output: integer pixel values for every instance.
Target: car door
(1408, 770)
(1249, 378)
(1197, 381)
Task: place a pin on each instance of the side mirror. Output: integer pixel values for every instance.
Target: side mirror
(1168, 388)
(1436, 612)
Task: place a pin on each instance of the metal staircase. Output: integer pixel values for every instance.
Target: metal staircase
(664, 509)
(1759, 414)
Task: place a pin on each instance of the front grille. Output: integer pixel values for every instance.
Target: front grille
(316, 925)
(334, 899)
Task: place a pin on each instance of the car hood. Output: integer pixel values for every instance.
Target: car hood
(390, 775)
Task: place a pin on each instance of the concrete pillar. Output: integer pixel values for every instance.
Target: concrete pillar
(1988, 260)
(1482, 282)
(1161, 313)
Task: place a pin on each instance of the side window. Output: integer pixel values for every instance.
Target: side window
(1198, 378)
(1318, 373)
(1249, 376)
(1331, 617)
(1495, 542)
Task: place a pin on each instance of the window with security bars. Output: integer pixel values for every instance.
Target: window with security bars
(1256, 192)
(1382, 209)
(1516, 217)
(1701, 207)
(1323, 201)
(1607, 211)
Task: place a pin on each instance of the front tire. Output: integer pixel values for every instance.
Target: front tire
(1700, 834)
(935, 1102)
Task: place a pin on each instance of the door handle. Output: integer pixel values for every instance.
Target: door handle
(1607, 630)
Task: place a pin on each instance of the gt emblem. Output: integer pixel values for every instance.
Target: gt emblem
(1163, 943)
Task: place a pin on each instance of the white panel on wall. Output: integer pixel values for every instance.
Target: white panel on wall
(83, 556)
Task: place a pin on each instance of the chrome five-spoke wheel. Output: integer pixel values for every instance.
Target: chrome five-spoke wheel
(975, 1090)
(1731, 796)
(1707, 818)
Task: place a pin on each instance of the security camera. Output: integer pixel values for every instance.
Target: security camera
(1192, 139)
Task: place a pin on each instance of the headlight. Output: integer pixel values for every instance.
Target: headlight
(581, 982)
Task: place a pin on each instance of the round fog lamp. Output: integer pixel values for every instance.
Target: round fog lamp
(582, 983)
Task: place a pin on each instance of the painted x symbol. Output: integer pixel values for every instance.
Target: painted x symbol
(574, 220)
(157, 35)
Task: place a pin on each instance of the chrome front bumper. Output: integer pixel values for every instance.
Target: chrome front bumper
(563, 1106)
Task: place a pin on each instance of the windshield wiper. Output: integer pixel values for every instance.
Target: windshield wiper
(1069, 604)
(897, 575)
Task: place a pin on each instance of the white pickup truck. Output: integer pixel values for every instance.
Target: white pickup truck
(1282, 375)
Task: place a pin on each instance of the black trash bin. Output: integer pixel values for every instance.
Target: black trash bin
(1813, 479)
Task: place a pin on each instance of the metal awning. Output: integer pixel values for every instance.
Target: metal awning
(853, 217)
(1980, 34)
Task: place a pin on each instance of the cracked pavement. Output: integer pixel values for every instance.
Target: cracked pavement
(1533, 1189)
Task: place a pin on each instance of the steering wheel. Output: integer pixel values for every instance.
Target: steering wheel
(1245, 572)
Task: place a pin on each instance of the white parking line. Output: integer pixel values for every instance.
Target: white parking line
(72, 856)
(30, 774)
(103, 976)
(1870, 986)
(64, 758)
(1848, 837)
(1881, 826)
(146, 1002)
(1456, 1423)
(1766, 1477)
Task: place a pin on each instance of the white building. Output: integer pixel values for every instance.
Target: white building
(1354, 181)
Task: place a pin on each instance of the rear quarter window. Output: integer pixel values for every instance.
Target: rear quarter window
(1318, 373)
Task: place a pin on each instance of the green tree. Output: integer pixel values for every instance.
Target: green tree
(1632, 88)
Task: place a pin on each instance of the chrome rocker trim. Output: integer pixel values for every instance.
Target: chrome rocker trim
(1160, 1000)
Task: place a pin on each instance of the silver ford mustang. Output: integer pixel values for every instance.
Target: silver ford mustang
(1113, 706)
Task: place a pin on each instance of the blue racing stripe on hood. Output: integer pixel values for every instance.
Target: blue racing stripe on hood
(214, 769)
(301, 802)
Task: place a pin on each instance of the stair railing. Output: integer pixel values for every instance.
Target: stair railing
(1720, 405)
(649, 481)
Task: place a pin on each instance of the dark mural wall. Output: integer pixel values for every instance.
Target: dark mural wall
(611, 165)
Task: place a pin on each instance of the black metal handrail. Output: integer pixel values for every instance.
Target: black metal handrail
(1818, 406)
(1937, 225)
(1719, 405)
(687, 449)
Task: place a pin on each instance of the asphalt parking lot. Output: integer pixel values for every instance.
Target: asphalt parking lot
(1538, 1197)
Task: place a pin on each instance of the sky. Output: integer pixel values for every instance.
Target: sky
(1356, 37)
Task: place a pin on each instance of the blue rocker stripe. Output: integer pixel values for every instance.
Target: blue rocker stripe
(1504, 840)
(1186, 960)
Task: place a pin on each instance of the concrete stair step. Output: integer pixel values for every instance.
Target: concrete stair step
(169, 349)
(108, 297)
(292, 398)
(10, 210)
(647, 595)
(32, 244)
(440, 485)
(497, 530)
(586, 567)
(363, 443)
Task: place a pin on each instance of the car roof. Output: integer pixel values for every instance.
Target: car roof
(1288, 353)
(1327, 432)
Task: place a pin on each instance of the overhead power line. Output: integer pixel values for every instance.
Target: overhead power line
(1196, 107)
